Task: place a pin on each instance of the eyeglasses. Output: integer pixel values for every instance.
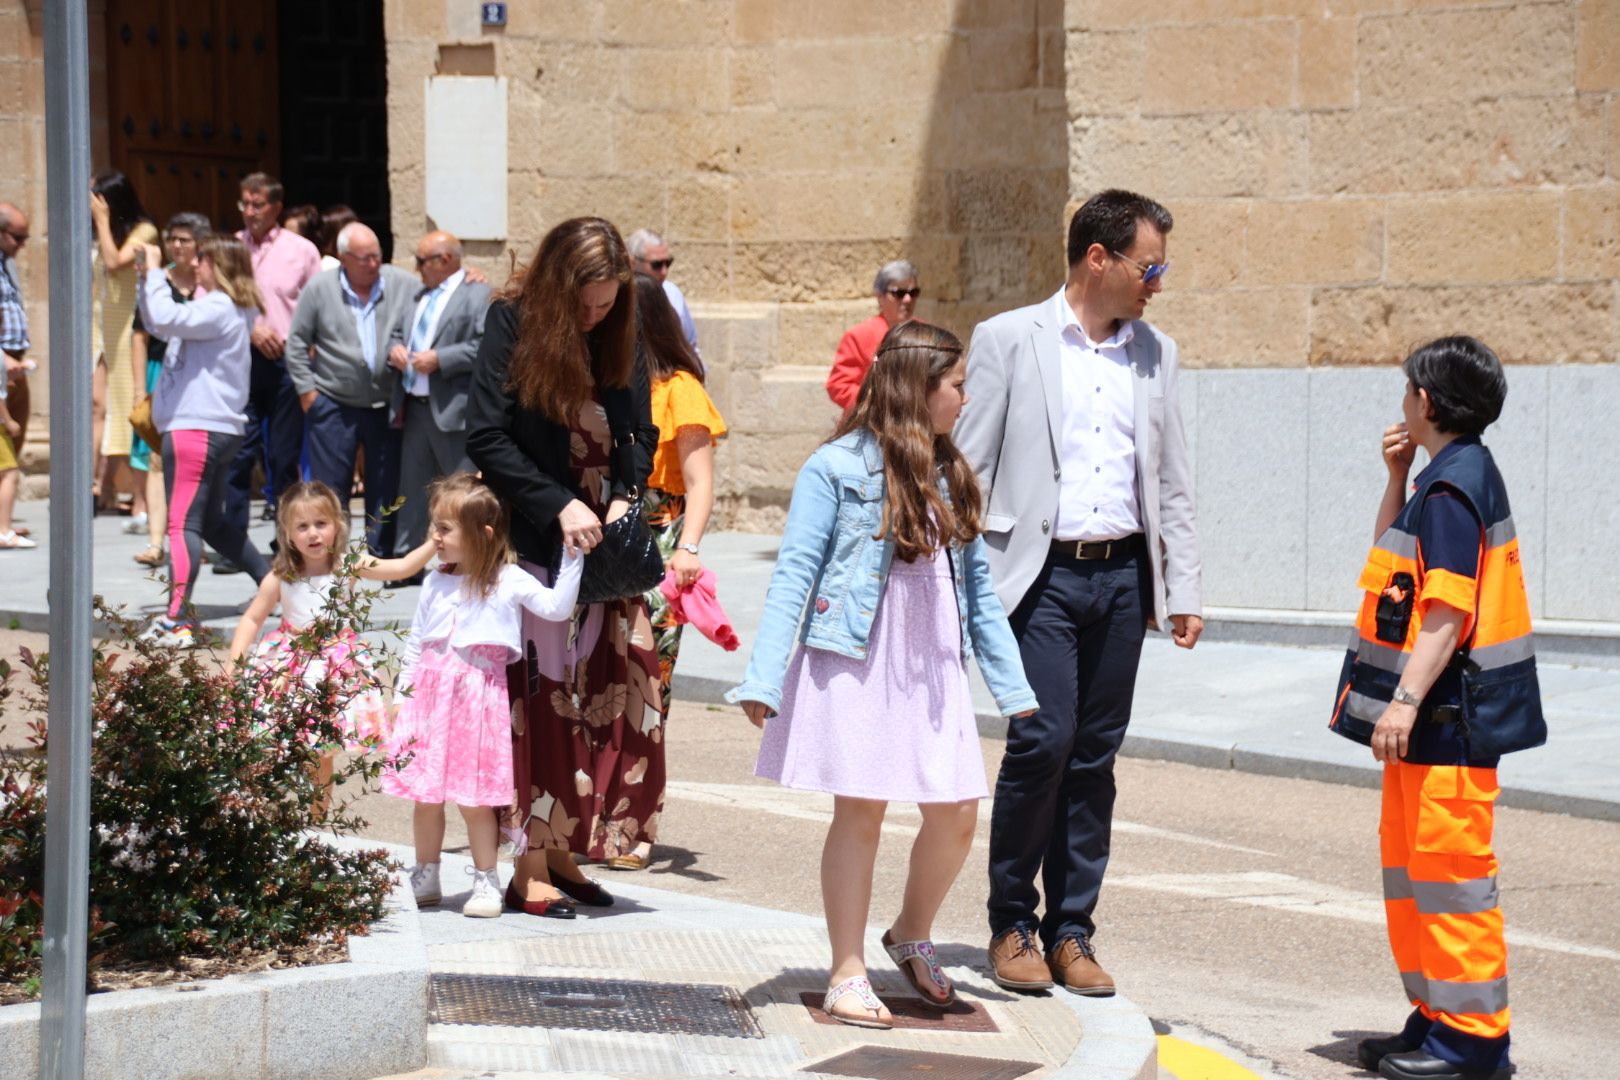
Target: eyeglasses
(903, 294)
(423, 260)
(244, 206)
(20, 237)
(1151, 272)
(369, 260)
(661, 264)
(173, 239)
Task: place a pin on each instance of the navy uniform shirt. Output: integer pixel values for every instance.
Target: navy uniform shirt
(1449, 538)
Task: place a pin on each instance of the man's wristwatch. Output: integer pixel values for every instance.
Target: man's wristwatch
(1406, 697)
(687, 547)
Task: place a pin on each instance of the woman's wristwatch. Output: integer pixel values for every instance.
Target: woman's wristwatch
(693, 548)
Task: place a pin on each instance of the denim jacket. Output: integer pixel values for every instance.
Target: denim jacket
(830, 562)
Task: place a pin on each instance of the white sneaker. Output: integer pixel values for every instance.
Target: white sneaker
(136, 525)
(12, 539)
(425, 884)
(485, 901)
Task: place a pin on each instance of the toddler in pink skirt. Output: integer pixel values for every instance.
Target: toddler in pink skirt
(452, 741)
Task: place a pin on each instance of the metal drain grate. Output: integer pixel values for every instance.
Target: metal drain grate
(910, 1013)
(887, 1063)
(592, 1005)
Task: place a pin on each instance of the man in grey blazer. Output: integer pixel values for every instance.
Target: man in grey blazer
(337, 357)
(433, 347)
(1074, 429)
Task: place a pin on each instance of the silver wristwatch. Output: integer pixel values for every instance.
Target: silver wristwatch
(688, 547)
(1406, 697)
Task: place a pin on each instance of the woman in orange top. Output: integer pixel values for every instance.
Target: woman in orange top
(680, 491)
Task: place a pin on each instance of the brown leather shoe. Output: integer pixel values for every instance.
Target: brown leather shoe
(1074, 965)
(1015, 961)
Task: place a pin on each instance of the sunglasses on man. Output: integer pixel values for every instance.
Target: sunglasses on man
(904, 294)
(1151, 272)
(661, 264)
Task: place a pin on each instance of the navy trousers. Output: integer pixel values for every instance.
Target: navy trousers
(1079, 629)
(332, 434)
(274, 437)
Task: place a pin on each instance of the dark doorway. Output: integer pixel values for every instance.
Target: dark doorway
(191, 101)
(334, 108)
(202, 92)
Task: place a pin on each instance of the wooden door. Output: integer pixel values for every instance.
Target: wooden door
(193, 92)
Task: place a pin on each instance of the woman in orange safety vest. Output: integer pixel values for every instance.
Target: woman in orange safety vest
(1440, 681)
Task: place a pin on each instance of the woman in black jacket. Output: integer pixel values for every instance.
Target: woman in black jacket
(559, 421)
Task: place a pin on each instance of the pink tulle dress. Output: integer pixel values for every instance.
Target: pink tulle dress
(280, 662)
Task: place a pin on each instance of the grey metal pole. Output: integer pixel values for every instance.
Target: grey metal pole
(67, 836)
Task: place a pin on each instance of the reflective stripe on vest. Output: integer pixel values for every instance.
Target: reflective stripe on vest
(1496, 607)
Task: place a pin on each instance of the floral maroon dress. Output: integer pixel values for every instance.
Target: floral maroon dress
(588, 756)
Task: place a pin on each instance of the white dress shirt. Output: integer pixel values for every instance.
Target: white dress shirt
(677, 300)
(1097, 498)
(418, 384)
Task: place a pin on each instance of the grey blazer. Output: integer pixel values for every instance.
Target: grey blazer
(1010, 432)
(324, 321)
(455, 339)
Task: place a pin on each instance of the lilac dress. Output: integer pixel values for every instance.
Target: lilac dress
(897, 726)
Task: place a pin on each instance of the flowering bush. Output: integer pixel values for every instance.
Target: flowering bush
(204, 802)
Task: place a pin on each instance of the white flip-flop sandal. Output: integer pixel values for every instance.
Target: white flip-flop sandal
(902, 952)
(862, 989)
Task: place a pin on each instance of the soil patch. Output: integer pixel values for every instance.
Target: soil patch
(130, 975)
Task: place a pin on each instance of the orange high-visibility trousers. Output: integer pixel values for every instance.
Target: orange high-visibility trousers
(1440, 898)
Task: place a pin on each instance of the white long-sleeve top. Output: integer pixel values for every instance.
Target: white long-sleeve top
(445, 612)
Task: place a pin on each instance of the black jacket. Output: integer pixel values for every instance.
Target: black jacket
(524, 454)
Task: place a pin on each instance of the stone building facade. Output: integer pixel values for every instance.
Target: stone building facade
(1349, 177)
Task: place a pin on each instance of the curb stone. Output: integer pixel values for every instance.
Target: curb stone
(361, 1018)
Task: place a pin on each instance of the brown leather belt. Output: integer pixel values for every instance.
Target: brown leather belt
(1099, 549)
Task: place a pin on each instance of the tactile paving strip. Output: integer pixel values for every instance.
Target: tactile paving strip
(592, 1005)
(887, 1063)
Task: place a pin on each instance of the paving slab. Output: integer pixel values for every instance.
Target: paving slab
(770, 958)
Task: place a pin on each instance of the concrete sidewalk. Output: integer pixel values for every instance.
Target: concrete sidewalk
(1227, 704)
(726, 980)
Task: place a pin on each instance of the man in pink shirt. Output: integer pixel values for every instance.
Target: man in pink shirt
(283, 263)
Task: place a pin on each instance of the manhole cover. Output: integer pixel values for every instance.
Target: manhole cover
(886, 1063)
(911, 1013)
(592, 1005)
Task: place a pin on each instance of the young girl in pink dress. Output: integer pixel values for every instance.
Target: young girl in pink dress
(454, 732)
(312, 535)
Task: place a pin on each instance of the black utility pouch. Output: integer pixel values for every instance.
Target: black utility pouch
(1395, 608)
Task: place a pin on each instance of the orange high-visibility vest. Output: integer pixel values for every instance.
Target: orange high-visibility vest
(1501, 708)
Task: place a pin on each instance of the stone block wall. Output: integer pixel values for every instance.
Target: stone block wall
(1288, 476)
(786, 150)
(1350, 178)
(23, 184)
(22, 168)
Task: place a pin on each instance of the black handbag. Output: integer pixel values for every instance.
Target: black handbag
(626, 563)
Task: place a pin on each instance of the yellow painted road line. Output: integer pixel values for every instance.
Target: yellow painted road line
(1189, 1061)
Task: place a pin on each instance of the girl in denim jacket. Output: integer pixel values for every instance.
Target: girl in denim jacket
(882, 546)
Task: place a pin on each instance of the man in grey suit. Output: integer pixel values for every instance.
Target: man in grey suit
(337, 357)
(1074, 429)
(433, 347)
